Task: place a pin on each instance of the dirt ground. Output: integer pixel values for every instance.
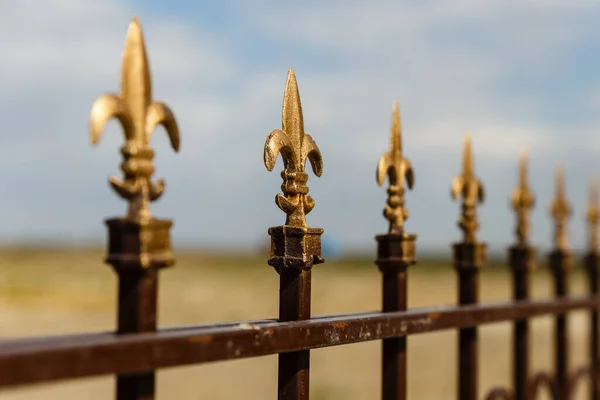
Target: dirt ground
(63, 292)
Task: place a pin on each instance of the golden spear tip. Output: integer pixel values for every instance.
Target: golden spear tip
(523, 165)
(560, 179)
(467, 156)
(135, 27)
(291, 73)
(291, 87)
(396, 133)
(522, 155)
(523, 159)
(292, 119)
(291, 83)
(560, 172)
(593, 189)
(467, 144)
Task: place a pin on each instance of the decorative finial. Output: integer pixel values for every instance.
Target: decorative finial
(295, 147)
(560, 211)
(522, 201)
(593, 216)
(397, 168)
(471, 189)
(139, 115)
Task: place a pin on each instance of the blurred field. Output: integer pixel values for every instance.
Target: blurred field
(52, 292)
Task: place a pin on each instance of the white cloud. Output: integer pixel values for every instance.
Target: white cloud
(448, 63)
(498, 142)
(447, 76)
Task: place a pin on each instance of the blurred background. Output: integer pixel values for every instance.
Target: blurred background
(518, 75)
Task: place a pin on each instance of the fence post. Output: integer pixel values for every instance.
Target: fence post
(395, 252)
(469, 257)
(295, 247)
(560, 260)
(522, 263)
(138, 244)
(591, 262)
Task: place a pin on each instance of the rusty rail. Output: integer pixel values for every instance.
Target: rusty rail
(28, 361)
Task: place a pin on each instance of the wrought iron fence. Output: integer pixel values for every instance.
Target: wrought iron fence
(139, 246)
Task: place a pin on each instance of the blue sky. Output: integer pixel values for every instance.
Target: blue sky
(516, 74)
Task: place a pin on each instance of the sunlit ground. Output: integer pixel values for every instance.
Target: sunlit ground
(63, 292)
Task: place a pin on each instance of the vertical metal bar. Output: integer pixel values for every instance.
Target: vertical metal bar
(294, 251)
(521, 262)
(137, 313)
(395, 252)
(559, 262)
(468, 371)
(295, 247)
(294, 305)
(468, 293)
(137, 250)
(394, 349)
(469, 257)
(592, 261)
(138, 244)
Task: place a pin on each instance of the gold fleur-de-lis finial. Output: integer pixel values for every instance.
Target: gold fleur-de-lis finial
(560, 211)
(471, 189)
(139, 115)
(522, 201)
(593, 216)
(295, 147)
(397, 168)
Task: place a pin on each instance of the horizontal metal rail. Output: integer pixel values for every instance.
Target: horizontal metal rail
(34, 360)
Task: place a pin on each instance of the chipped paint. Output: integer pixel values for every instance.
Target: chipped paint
(332, 336)
(247, 327)
(422, 321)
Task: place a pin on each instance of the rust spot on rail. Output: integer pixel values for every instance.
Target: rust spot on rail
(200, 339)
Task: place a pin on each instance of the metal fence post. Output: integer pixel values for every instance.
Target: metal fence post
(138, 244)
(469, 257)
(522, 263)
(592, 266)
(560, 261)
(395, 252)
(295, 247)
